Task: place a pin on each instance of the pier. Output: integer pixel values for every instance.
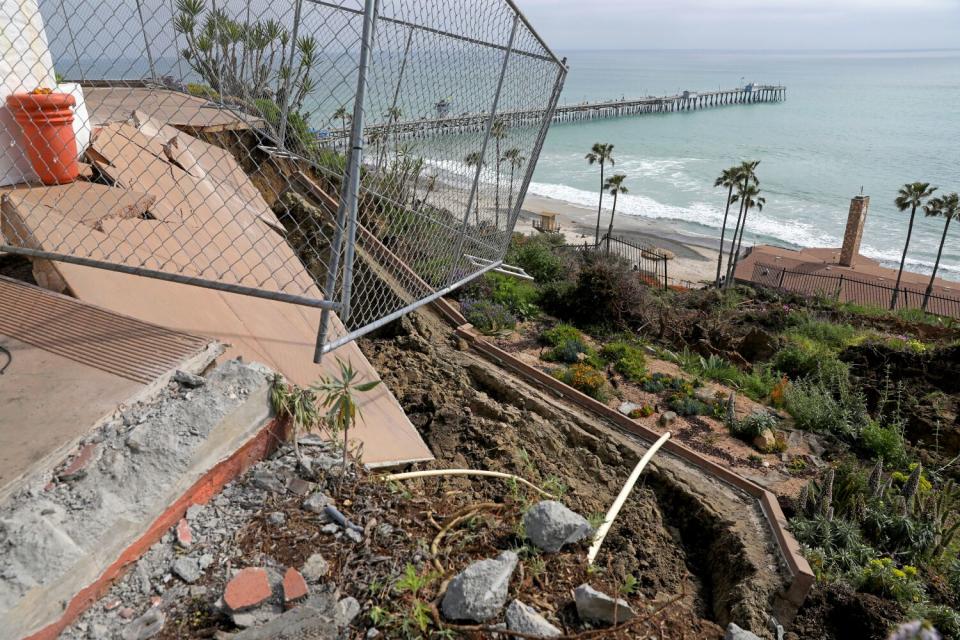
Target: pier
(473, 122)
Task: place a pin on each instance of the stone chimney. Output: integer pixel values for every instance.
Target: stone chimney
(854, 232)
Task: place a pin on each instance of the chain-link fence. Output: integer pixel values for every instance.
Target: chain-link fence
(361, 156)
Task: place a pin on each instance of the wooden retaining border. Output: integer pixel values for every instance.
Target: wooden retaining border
(801, 575)
(256, 448)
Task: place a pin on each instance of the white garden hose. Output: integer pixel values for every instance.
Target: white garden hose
(465, 472)
(622, 497)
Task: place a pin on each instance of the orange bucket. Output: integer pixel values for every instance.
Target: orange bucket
(46, 121)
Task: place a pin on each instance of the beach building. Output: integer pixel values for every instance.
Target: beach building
(843, 273)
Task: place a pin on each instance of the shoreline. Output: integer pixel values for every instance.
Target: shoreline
(695, 256)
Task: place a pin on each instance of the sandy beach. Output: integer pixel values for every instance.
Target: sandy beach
(695, 256)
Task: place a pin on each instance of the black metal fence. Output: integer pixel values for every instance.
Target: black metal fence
(649, 262)
(844, 288)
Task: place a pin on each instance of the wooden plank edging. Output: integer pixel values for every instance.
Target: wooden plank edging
(802, 577)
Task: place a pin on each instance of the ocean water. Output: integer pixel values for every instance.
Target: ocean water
(874, 120)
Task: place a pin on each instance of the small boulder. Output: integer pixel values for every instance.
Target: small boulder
(144, 627)
(183, 534)
(269, 481)
(626, 408)
(479, 592)
(187, 569)
(736, 633)
(765, 441)
(595, 606)
(550, 525)
(316, 502)
(706, 395)
(187, 379)
(315, 568)
(526, 619)
(667, 418)
(347, 609)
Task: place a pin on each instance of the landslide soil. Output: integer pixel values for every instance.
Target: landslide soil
(471, 418)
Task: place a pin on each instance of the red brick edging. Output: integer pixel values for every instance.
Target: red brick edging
(254, 450)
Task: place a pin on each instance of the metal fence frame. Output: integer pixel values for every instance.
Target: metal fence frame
(341, 267)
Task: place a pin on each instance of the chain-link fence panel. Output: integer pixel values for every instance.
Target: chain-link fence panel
(361, 156)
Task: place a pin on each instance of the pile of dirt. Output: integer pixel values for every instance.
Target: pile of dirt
(681, 531)
(834, 612)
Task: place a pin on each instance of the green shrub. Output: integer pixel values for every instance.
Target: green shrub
(627, 359)
(519, 296)
(834, 336)
(820, 403)
(685, 405)
(645, 411)
(881, 577)
(803, 357)
(568, 345)
(753, 425)
(883, 442)
(559, 334)
(487, 316)
(585, 379)
(537, 255)
(943, 618)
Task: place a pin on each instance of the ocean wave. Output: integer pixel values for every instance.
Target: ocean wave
(760, 225)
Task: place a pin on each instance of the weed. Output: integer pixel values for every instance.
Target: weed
(596, 519)
(585, 379)
(487, 316)
(627, 359)
(412, 582)
(752, 426)
(629, 585)
(644, 411)
(882, 577)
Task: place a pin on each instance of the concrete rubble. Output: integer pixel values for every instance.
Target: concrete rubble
(58, 536)
(526, 619)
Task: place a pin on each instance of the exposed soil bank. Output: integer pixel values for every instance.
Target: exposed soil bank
(681, 531)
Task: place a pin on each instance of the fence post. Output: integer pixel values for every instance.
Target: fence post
(351, 186)
(783, 272)
(836, 296)
(298, 4)
(483, 150)
(665, 280)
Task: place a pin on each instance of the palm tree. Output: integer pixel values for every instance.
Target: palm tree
(911, 196)
(747, 176)
(516, 160)
(498, 131)
(614, 185)
(600, 153)
(475, 159)
(749, 198)
(729, 179)
(947, 207)
(343, 115)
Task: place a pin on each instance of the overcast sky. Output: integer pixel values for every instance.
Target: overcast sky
(746, 24)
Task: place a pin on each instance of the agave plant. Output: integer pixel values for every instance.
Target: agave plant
(338, 397)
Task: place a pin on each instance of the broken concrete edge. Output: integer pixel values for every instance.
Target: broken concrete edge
(45, 469)
(256, 448)
(802, 576)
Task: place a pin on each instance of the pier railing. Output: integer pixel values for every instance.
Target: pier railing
(844, 288)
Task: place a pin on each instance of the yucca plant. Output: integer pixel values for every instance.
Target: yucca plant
(338, 397)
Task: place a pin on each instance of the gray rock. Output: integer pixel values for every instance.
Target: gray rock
(302, 622)
(736, 633)
(98, 631)
(139, 440)
(479, 592)
(775, 628)
(347, 609)
(188, 380)
(594, 606)
(244, 619)
(626, 408)
(667, 418)
(354, 535)
(277, 518)
(315, 502)
(705, 394)
(550, 525)
(373, 632)
(268, 481)
(187, 569)
(525, 619)
(146, 626)
(315, 568)
(330, 528)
